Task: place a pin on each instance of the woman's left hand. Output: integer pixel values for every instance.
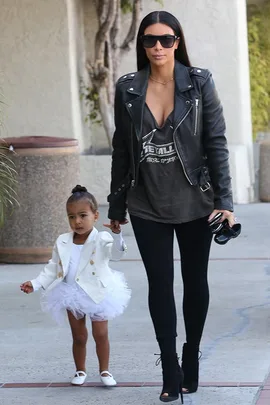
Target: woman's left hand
(225, 215)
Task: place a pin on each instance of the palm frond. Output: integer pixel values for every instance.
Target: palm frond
(8, 182)
(8, 174)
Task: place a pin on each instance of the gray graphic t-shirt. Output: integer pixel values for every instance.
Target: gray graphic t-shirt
(163, 193)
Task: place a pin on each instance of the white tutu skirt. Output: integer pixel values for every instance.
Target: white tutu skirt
(73, 298)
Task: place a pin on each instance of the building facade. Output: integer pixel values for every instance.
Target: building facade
(44, 47)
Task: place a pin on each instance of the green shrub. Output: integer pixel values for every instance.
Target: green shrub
(259, 58)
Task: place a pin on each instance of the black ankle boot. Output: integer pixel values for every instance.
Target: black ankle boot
(172, 378)
(190, 366)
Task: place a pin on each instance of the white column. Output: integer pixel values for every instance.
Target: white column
(241, 145)
(76, 53)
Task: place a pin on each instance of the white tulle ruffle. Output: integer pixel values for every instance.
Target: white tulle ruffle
(73, 298)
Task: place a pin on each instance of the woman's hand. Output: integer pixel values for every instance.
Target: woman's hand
(225, 215)
(27, 287)
(114, 225)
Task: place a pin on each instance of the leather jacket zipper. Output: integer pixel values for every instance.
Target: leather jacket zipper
(177, 151)
(196, 116)
(132, 184)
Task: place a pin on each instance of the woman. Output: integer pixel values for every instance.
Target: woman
(170, 170)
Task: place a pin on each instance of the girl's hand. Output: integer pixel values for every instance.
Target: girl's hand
(115, 225)
(27, 287)
(226, 215)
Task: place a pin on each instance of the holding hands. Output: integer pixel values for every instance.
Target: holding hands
(115, 226)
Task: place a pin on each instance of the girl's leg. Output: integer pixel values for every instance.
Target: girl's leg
(100, 335)
(80, 335)
(194, 240)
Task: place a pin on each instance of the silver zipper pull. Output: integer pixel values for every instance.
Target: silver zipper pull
(196, 115)
(132, 183)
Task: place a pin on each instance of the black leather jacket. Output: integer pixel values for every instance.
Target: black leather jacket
(199, 135)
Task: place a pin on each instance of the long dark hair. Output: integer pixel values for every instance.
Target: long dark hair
(162, 17)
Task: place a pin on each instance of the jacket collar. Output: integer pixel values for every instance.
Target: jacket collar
(182, 78)
(67, 237)
(87, 250)
(64, 245)
(138, 87)
(139, 84)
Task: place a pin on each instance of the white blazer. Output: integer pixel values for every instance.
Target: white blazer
(94, 275)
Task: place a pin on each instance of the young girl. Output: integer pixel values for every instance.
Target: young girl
(79, 281)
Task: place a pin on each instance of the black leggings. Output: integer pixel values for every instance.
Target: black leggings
(155, 242)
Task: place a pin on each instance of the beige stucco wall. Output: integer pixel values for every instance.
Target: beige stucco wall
(34, 68)
(43, 48)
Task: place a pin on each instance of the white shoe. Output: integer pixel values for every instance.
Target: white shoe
(79, 378)
(108, 380)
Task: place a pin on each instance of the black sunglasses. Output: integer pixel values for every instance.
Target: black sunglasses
(222, 230)
(166, 41)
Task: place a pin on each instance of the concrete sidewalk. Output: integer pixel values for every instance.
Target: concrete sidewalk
(236, 344)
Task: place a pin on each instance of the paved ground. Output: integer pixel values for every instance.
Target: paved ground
(236, 344)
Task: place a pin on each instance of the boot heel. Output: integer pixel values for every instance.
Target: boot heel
(190, 366)
(181, 382)
(172, 378)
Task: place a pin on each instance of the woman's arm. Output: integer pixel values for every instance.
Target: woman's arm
(120, 162)
(215, 146)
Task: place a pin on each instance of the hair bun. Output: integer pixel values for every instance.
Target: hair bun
(79, 189)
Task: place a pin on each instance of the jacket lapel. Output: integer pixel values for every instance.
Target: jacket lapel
(138, 87)
(135, 106)
(183, 83)
(64, 246)
(182, 107)
(87, 250)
